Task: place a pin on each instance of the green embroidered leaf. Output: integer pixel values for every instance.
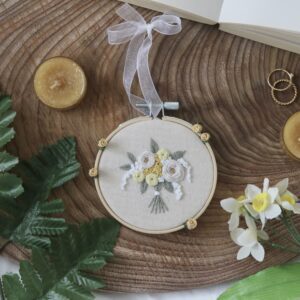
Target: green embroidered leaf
(25, 220)
(168, 186)
(159, 186)
(154, 146)
(125, 167)
(143, 186)
(60, 273)
(10, 186)
(131, 157)
(7, 161)
(178, 155)
(282, 282)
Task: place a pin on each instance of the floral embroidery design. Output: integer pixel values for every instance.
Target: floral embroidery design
(158, 169)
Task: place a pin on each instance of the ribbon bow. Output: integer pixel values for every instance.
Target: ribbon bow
(139, 33)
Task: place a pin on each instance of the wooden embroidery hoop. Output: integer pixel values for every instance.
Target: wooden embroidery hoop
(190, 223)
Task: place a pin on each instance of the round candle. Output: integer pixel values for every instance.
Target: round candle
(60, 83)
(291, 135)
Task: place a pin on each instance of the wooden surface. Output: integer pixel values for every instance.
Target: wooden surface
(221, 82)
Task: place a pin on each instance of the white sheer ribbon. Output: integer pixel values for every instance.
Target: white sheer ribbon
(139, 33)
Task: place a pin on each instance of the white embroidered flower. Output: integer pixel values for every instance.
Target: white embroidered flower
(172, 171)
(285, 198)
(236, 208)
(261, 202)
(248, 239)
(146, 160)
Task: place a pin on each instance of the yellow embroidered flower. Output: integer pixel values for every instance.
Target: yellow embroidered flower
(156, 169)
(152, 179)
(163, 154)
(138, 176)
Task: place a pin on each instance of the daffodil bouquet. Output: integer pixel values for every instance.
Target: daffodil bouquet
(257, 206)
(158, 169)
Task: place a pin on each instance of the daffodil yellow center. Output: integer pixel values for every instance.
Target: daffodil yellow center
(260, 202)
(288, 198)
(241, 198)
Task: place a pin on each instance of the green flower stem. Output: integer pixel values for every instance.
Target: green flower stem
(281, 247)
(289, 224)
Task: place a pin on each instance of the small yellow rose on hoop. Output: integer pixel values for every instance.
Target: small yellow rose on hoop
(257, 206)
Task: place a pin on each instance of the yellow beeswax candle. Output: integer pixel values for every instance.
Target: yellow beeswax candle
(60, 83)
(291, 135)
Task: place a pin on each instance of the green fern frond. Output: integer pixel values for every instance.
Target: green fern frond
(63, 274)
(10, 184)
(6, 118)
(27, 221)
(7, 161)
(54, 207)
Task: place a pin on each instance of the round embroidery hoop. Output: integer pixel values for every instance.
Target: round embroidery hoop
(130, 206)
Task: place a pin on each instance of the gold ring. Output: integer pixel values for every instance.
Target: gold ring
(290, 82)
(280, 102)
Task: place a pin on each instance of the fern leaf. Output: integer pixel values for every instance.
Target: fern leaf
(30, 279)
(13, 288)
(6, 135)
(52, 207)
(28, 225)
(10, 186)
(31, 241)
(7, 161)
(42, 266)
(5, 104)
(7, 118)
(60, 273)
(92, 263)
(48, 226)
(88, 281)
(74, 292)
(55, 164)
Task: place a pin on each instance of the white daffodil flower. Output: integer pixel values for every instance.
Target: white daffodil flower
(285, 198)
(248, 239)
(236, 208)
(261, 203)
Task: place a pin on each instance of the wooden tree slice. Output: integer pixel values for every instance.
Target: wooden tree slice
(220, 80)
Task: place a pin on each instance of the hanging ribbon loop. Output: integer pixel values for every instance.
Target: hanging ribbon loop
(139, 33)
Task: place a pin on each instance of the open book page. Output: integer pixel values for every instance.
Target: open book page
(269, 14)
(204, 11)
(284, 42)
